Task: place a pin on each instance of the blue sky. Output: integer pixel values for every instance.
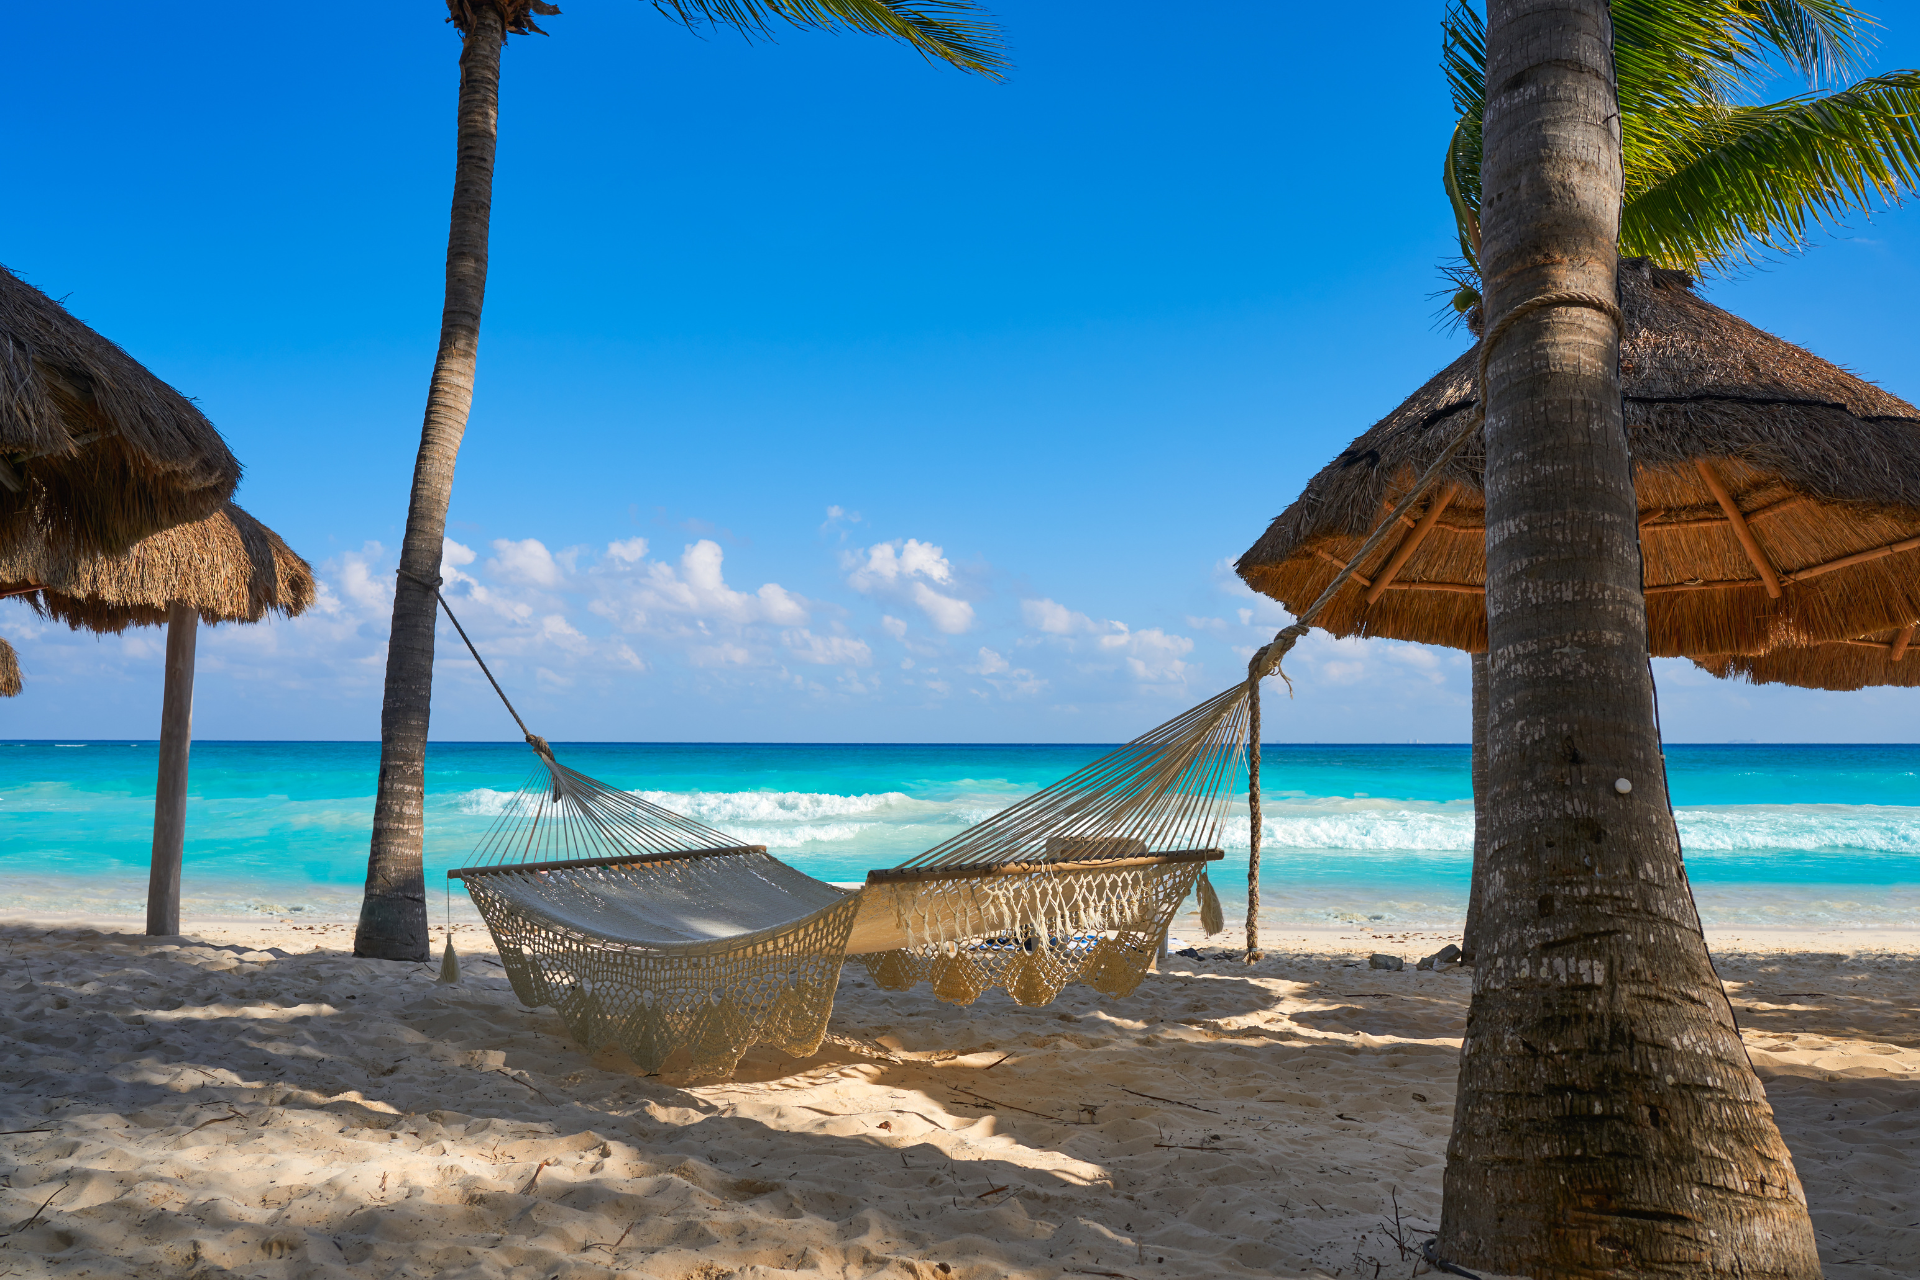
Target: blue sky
(824, 395)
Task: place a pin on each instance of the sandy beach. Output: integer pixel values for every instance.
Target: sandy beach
(252, 1101)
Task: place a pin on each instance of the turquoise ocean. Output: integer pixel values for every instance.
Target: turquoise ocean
(1775, 836)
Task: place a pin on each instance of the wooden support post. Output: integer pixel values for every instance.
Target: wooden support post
(170, 788)
(1738, 520)
(1900, 643)
(1411, 543)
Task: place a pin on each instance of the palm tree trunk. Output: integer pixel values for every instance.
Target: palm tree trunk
(1476, 891)
(393, 915)
(1608, 1120)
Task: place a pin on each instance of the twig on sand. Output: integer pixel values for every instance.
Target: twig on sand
(1082, 1271)
(1188, 1146)
(1172, 1102)
(502, 1071)
(990, 1066)
(1009, 1106)
(528, 1189)
(992, 1191)
(6, 1132)
(216, 1120)
(615, 1246)
(1397, 1235)
(37, 1212)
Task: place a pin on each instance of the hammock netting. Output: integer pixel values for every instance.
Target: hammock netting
(683, 947)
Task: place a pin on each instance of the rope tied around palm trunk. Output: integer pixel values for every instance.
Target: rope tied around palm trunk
(1266, 660)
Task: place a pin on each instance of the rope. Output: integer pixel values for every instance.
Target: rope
(534, 740)
(1266, 660)
(1253, 821)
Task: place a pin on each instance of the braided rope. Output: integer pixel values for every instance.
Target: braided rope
(1266, 660)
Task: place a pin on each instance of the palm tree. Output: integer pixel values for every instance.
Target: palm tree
(393, 920)
(1608, 1121)
(1711, 183)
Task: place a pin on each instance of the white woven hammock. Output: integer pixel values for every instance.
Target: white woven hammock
(683, 947)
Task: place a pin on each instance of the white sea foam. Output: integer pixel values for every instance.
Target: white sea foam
(1809, 827)
(796, 836)
(1296, 822)
(485, 802)
(778, 806)
(1338, 824)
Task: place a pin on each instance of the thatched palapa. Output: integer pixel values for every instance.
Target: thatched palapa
(227, 568)
(9, 671)
(1872, 661)
(94, 450)
(1779, 496)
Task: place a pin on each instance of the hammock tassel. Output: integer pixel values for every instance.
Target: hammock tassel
(449, 964)
(1212, 918)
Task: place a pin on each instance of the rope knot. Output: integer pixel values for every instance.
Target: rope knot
(1266, 660)
(432, 584)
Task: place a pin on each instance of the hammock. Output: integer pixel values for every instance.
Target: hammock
(660, 936)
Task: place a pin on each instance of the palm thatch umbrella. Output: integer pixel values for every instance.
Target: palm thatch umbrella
(1779, 496)
(1883, 658)
(226, 568)
(9, 671)
(94, 450)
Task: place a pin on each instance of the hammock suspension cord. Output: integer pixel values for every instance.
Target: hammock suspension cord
(534, 740)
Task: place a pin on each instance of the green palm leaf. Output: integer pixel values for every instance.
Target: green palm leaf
(1742, 180)
(1711, 182)
(951, 31)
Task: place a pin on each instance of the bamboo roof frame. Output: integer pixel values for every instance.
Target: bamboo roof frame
(1779, 496)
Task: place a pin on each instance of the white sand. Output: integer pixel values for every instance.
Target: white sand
(254, 1102)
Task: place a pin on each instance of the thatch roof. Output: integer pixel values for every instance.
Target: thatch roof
(1822, 466)
(229, 566)
(94, 449)
(1883, 658)
(9, 671)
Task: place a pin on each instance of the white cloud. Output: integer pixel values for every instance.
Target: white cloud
(697, 590)
(888, 563)
(628, 550)
(893, 626)
(990, 662)
(905, 568)
(357, 582)
(527, 562)
(945, 612)
(1054, 619)
(1152, 655)
(835, 651)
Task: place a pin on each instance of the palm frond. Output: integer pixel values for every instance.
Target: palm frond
(1710, 181)
(957, 32)
(1826, 41)
(1750, 179)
